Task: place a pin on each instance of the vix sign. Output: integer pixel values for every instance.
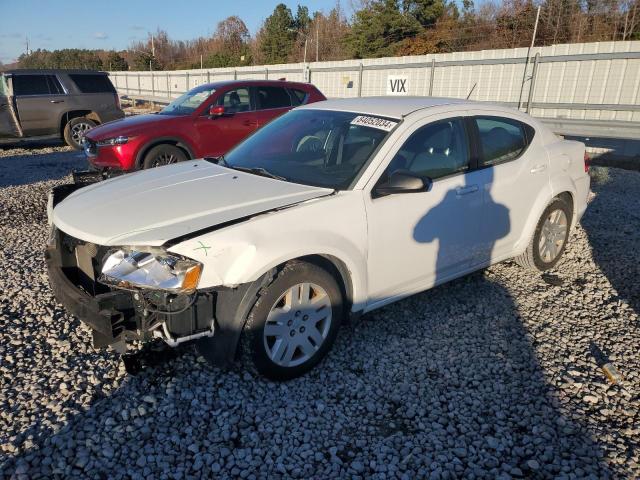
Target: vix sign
(397, 85)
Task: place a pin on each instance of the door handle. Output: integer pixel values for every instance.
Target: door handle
(56, 101)
(538, 168)
(466, 190)
(250, 123)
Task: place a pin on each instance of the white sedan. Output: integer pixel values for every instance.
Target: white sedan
(336, 208)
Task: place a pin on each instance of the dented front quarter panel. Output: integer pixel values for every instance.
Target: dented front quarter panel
(332, 226)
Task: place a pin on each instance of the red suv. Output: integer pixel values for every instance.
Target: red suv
(206, 121)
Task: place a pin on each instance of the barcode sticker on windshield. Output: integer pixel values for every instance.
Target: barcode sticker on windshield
(374, 122)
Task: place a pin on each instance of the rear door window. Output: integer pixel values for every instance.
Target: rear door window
(272, 97)
(501, 139)
(30, 85)
(54, 85)
(88, 83)
(438, 149)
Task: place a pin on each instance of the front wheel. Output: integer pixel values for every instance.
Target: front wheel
(163, 155)
(549, 239)
(76, 129)
(294, 321)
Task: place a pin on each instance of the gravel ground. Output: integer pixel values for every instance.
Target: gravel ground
(490, 376)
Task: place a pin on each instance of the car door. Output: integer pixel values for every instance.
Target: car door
(40, 101)
(9, 127)
(271, 102)
(515, 174)
(419, 239)
(219, 134)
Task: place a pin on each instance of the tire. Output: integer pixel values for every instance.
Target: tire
(543, 251)
(75, 129)
(161, 155)
(284, 342)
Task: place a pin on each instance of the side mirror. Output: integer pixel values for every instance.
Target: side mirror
(403, 181)
(216, 111)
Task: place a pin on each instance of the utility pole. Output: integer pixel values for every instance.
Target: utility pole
(526, 63)
(317, 36)
(153, 48)
(305, 50)
(200, 61)
(27, 41)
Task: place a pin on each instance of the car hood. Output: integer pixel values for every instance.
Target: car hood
(161, 204)
(128, 126)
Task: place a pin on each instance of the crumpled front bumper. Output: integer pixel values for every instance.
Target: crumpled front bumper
(106, 314)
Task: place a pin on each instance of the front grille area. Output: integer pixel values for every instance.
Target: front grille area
(80, 264)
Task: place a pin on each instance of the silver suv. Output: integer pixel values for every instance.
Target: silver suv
(39, 104)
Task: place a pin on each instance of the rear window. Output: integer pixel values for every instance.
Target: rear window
(88, 83)
(298, 96)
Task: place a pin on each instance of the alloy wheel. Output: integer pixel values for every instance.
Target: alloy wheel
(553, 235)
(165, 159)
(79, 130)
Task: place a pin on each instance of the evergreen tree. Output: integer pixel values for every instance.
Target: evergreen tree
(426, 12)
(278, 35)
(302, 19)
(145, 61)
(379, 29)
(115, 62)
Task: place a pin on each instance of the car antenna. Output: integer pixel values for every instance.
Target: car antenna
(472, 89)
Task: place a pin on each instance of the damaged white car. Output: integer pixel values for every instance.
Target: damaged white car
(334, 209)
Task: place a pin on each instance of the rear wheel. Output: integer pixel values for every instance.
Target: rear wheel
(163, 155)
(294, 321)
(549, 239)
(76, 129)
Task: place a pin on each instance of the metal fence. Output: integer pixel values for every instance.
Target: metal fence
(580, 89)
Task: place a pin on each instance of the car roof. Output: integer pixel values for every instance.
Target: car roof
(392, 107)
(275, 83)
(51, 71)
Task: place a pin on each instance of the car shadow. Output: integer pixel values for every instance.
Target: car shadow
(23, 166)
(615, 248)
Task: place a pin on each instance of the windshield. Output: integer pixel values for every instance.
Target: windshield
(188, 102)
(315, 147)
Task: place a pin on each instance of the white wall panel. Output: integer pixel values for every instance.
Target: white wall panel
(589, 81)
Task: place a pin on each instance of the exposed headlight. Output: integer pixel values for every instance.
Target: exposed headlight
(121, 140)
(130, 269)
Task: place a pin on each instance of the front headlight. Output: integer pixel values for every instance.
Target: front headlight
(121, 140)
(130, 269)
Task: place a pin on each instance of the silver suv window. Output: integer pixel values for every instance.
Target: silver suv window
(36, 85)
(90, 83)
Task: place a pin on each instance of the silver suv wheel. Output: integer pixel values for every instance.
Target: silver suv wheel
(79, 130)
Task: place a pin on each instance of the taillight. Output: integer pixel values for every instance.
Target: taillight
(586, 162)
(118, 101)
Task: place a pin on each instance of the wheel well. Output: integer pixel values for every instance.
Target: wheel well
(164, 141)
(567, 197)
(75, 114)
(338, 270)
